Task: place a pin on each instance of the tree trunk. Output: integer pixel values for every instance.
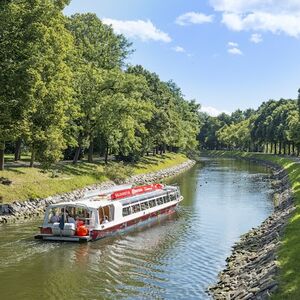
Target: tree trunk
(106, 154)
(32, 157)
(271, 147)
(289, 149)
(2, 149)
(293, 148)
(284, 148)
(18, 149)
(298, 150)
(78, 150)
(76, 156)
(161, 150)
(280, 148)
(267, 148)
(91, 151)
(275, 148)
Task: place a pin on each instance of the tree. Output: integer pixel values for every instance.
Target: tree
(34, 76)
(97, 43)
(50, 88)
(14, 77)
(98, 50)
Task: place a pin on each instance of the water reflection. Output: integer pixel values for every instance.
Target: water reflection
(176, 259)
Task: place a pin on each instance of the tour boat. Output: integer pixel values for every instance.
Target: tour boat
(105, 213)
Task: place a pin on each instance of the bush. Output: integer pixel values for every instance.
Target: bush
(118, 172)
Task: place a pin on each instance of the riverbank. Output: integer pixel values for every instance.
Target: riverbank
(63, 177)
(20, 210)
(266, 260)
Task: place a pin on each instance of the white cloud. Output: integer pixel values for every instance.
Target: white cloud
(212, 111)
(138, 29)
(194, 18)
(233, 44)
(233, 48)
(275, 16)
(245, 6)
(235, 51)
(256, 38)
(179, 49)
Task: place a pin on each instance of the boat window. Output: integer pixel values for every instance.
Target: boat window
(152, 203)
(172, 197)
(106, 213)
(160, 201)
(136, 208)
(54, 215)
(144, 205)
(126, 211)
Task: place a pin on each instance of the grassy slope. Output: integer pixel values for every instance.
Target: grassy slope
(289, 253)
(32, 183)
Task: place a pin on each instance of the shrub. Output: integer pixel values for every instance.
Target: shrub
(118, 172)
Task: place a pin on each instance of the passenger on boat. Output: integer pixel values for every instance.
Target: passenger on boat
(54, 218)
(105, 220)
(70, 219)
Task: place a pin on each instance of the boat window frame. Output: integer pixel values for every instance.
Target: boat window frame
(144, 202)
(130, 210)
(136, 205)
(67, 206)
(159, 201)
(153, 201)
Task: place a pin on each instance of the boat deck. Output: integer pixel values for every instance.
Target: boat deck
(51, 237)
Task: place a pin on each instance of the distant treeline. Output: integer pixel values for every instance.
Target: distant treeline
(273, 128)
(65, 89)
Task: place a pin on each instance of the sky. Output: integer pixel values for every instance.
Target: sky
(225, 54)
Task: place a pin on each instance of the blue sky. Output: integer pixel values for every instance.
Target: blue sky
(226, 54)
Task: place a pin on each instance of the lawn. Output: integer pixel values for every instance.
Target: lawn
(64, 177)
(289, 252)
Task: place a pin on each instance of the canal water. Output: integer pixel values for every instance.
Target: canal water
(175, 259)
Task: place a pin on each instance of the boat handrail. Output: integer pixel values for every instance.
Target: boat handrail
(69, 204)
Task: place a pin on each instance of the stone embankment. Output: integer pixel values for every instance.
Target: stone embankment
(252, 269)
(20, 210)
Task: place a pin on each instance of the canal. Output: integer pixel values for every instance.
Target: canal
(176, 259)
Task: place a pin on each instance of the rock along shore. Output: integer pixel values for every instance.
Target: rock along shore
(251, 270)
(21, 210)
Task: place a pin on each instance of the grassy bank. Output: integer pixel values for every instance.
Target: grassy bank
(289, 253)
(64, 177)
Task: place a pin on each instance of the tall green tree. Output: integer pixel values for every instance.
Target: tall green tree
(98, 51)
(51, 88)
(34, 76)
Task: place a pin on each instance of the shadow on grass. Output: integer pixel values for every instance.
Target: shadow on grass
(80, 169)
(15, 170)
(151, 160)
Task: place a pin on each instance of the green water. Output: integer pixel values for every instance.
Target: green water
(175, 259)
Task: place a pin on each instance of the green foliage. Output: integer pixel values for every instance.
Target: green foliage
(35, 78)
(118, 172)
(274, 128)
(96, 42)
(63, 85)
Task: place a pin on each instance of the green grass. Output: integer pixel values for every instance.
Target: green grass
(289, 252)
(150, 164)
(34, 183)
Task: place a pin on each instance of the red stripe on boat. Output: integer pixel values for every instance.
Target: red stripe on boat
(136, 191)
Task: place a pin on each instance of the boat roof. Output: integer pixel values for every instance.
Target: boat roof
(99, 201)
